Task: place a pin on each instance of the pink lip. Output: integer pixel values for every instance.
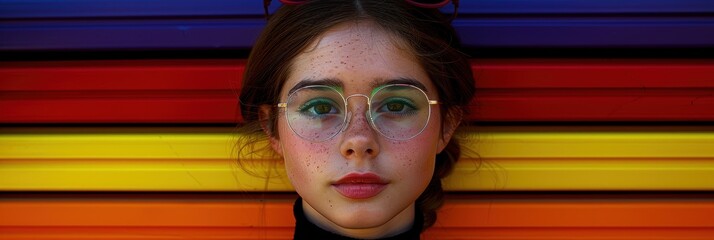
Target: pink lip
(360, 185)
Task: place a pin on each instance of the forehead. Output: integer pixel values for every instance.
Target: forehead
(359, 55)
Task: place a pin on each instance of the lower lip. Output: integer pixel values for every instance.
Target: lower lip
(359, 190)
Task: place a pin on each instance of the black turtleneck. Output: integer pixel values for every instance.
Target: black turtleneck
(304, 229)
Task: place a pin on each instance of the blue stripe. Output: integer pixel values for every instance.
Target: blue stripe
(134, 8)
(231, 24)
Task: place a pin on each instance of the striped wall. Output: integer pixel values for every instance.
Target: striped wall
(592, 120)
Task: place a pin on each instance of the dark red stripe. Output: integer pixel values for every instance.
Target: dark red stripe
(205, 91)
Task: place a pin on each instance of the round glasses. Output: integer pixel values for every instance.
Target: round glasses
(397, 111)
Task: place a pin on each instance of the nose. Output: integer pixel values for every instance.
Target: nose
(359, 140)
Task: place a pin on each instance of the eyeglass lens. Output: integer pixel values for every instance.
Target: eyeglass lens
(318, 113)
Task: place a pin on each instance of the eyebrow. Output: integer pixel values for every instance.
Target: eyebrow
(332, 82)
(310, 82)
(401, 80)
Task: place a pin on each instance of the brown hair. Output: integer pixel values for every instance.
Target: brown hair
(426, 31)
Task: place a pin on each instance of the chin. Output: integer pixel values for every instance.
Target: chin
(361, 215)
(361, 220)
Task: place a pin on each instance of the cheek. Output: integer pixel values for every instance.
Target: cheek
(305, 161)
(415, 159)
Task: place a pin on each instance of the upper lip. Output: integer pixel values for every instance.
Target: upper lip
(360, 178)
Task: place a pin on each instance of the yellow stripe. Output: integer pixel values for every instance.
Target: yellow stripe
(135, 175)
(486, 144)
(202, 161)
(221, 175)
(583, 174)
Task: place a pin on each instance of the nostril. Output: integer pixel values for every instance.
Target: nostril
(350, 152)
(370, 151)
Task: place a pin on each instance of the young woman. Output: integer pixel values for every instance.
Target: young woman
(361, 99)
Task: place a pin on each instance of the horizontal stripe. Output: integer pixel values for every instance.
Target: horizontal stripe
(488, 142)
(224, 175)
(463, 213)
(223, 74)
(28, 9)
(472, 219)
(38, 9)
(274, 233)
(231, 34)
(152, 91)
(122, 25)
(583, 32)
(493, 160)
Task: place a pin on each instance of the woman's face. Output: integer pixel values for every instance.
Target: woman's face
(359, 183)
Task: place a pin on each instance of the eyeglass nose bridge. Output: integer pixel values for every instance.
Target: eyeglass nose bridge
(348, 116)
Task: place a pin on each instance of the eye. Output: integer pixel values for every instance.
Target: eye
(319, 107)
(397, 106)
(322, 108)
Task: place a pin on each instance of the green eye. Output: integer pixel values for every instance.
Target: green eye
(322, 108)
(319, 107)
(395, 107)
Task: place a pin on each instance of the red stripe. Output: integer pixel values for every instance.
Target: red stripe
(591, 73)
(205, 91)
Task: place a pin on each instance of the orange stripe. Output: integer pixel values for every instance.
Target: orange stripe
(253, 233)
(459, 219)
(278, 213)
(134, 233)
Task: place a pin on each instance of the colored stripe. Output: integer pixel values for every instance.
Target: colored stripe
(466, 213)
(205, 91)
(28, 9)
(38, 9)
(509, 160)
(469, 175)
(216, 143)
(120, 25)
(229, 34)
(588, 32)
(472, 219)
(583, 7)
